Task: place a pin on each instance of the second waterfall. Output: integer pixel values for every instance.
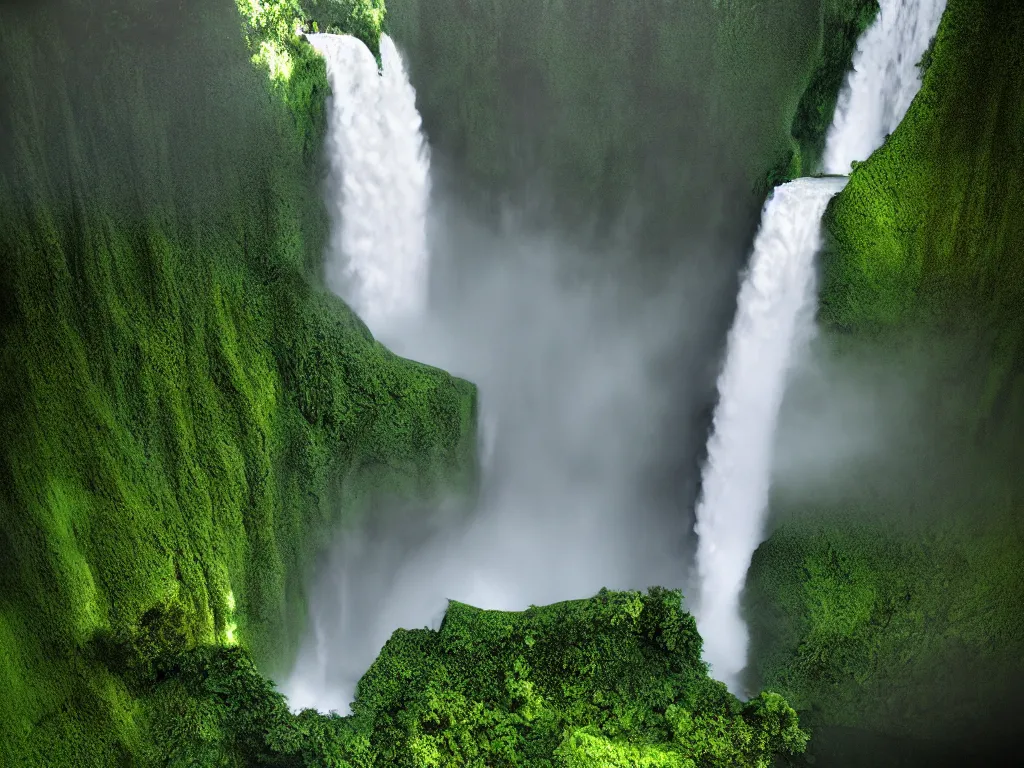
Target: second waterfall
(775, 311)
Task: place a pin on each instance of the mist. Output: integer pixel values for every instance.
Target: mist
(572, 404)
(587, 289)
(839, 411)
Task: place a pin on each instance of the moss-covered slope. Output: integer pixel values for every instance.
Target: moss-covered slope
(894, 606)
(927, 228)
(186, 414)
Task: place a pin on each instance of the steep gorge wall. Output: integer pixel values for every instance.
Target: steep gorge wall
(187, 415)
(892, 605)
(580, 112)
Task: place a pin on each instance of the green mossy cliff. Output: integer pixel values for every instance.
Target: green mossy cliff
(927, 230)
(893, 607)
(187, 415)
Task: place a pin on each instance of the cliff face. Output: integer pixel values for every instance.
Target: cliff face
(925, 231)
(670, 111)
(893, 606)
(186, 414)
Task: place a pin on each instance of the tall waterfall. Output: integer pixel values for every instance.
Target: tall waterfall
(379, 184)
(776, 307)
(779, 292)
(378, 192)
(884, 80)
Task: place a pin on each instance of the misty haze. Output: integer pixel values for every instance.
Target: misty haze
(569, 383)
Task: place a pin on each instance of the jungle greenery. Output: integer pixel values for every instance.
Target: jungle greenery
(189, 416)
(615, 681)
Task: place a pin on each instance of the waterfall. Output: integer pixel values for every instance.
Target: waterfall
(378, 186)
(776, 308)
(779, 291)
(377, 195)
(884, 80)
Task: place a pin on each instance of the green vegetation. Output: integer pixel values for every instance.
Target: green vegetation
(865, 627)
(842, 23)
(273, 23)
(927, 229)
(894, 607)
(188, 416)
(601, 681)
(298, 74)
(366, 19)
(616, 680)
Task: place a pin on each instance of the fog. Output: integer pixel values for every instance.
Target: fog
(838, 413)
(590, 307)
(863, 422)
(572, 403)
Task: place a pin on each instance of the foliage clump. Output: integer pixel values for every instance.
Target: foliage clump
(273, 32)
(615, 680)
(364, 19)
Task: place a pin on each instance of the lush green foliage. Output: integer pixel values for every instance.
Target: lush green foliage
(843, 22)
(297, 72)
(616, 680)
(864, 626)
(187, 415)
(613, 679)
(366, 19)
(276, 21)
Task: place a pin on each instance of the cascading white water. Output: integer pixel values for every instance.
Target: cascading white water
(778, 292)
(884, 80)
(776, 302)
(378, 193)
(379, 184)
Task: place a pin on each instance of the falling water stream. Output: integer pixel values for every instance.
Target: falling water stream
(884, 80)
(777, 294)
(379, 185)
(774, 312)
